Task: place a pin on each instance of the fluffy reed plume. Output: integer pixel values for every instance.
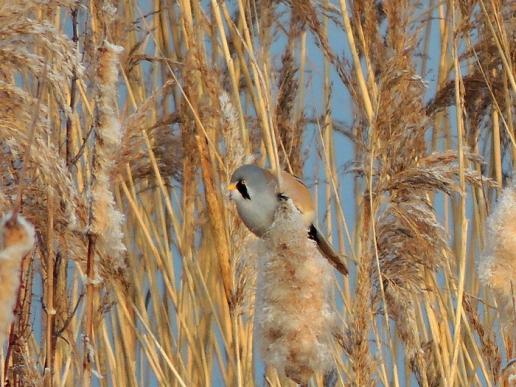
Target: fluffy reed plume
(16, 240)
(410, 243)
(234, 154)
(509, 374)
(408, 238)
(293, 317)
(165, 144)
(107, 219)
(497, 266)
(21, 34)
(289, 131)
(39, 50)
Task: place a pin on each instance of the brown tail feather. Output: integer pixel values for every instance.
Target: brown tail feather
(327, 250)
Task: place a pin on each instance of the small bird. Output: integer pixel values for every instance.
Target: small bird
(256, 193)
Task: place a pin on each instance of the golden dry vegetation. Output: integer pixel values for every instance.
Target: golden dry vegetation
(121, 123)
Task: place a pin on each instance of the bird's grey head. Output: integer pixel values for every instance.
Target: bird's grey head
(248, 181)
(254, 191)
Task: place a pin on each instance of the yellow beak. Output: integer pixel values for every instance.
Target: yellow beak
(232, 187)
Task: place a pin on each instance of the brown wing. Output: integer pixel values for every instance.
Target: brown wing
(295, 189)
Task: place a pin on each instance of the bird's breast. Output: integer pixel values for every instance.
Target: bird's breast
(257, 217)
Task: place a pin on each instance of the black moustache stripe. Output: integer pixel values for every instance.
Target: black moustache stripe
(240, 186)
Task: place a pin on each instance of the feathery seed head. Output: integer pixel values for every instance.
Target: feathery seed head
(497, 266)
(294, 319)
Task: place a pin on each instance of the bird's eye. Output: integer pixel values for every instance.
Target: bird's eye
(241, 187)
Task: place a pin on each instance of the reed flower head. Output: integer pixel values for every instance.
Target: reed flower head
(497, 267)
(16, 240)
(294, 319)
(107, 218)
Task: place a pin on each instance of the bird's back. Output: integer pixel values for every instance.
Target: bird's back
(295, 189)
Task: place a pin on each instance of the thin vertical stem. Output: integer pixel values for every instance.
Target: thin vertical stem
(49, 366)
(73, 92)
(366, 100)
(90, 305)
(462, 240)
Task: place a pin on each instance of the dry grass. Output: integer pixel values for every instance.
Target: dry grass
(120, 124)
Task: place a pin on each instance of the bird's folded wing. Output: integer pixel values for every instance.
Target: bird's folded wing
(327, 250)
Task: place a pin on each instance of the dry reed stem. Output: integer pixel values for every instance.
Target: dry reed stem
(217, 222)
(356, 341)
(489, 349)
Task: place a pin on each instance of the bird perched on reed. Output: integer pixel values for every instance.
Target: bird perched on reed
(257, 193)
